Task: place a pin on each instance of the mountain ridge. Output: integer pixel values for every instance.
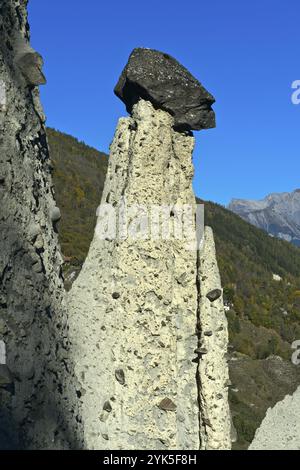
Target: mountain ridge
(278, 214)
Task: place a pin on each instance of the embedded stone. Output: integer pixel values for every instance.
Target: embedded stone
(214, 294)
(107, 407)
(120, 376)
(208, 333)
(33, 231)
(55, 214)
(167, 405)
(201, 351)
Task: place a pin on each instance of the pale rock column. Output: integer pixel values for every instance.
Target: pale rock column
(133, 306)
(133, 310)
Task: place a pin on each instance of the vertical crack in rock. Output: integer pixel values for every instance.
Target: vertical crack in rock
(215, 422)
(201, 427)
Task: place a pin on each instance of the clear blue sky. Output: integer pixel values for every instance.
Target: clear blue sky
(246, 52)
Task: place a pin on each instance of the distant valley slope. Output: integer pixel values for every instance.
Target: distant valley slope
(263, 313)
(278, 214)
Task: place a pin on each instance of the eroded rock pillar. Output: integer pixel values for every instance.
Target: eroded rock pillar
(134, 309)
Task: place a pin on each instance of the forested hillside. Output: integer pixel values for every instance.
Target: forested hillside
(79, 173)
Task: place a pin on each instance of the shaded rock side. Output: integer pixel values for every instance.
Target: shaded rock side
(280, 430)
(157, 77)
(32, 326)
(133, 309)
(215, 421)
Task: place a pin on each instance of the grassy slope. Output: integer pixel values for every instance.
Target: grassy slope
(264, 315)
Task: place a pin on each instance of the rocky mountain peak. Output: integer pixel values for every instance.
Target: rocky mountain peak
(278, 214)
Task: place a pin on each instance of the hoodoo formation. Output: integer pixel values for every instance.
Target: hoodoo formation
(148, 340)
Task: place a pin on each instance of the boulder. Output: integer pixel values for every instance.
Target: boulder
(157, 77)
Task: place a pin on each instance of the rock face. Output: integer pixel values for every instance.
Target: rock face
(32, 326)
(134, 309)
(159, 78)
(280, 429)
(278, 214)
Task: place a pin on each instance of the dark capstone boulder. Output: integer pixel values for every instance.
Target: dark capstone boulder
(159, 78)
